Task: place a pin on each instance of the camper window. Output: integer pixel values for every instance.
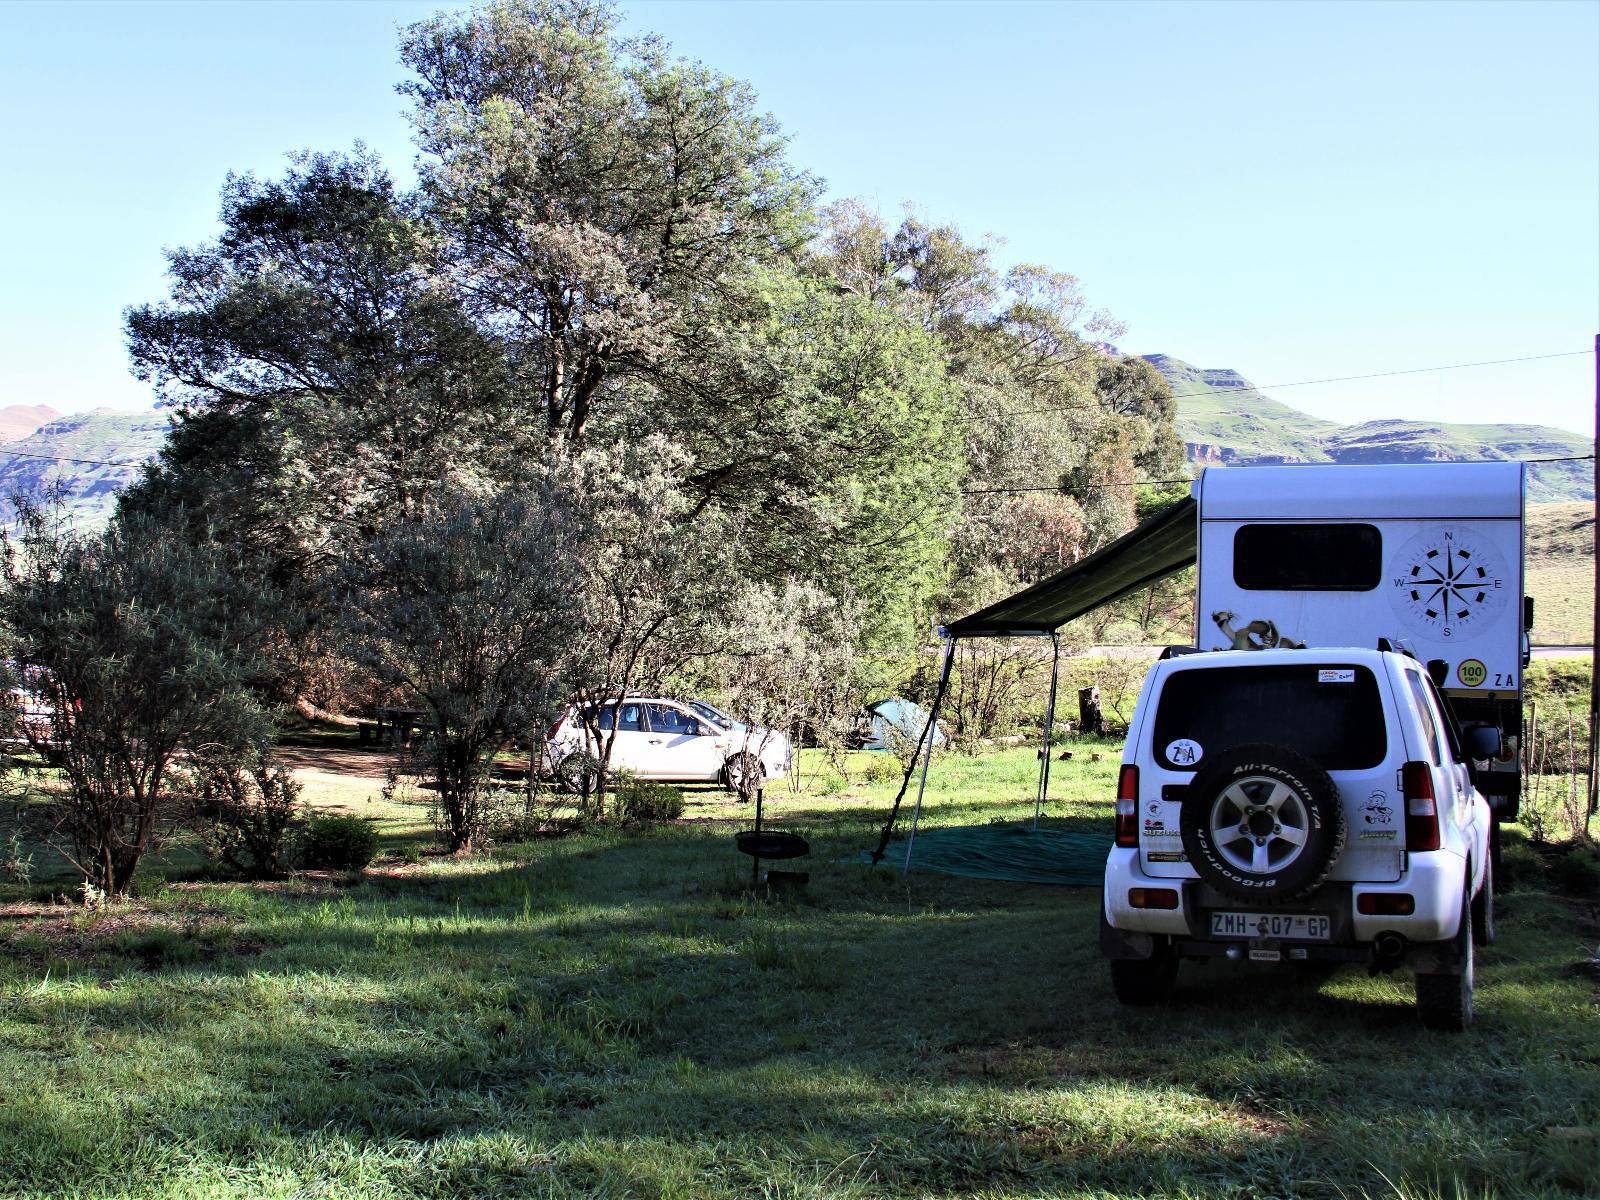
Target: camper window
(1345, 557)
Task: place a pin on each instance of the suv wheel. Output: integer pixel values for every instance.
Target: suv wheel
(1444, 1001)
(1262, 823)
(1145, 981)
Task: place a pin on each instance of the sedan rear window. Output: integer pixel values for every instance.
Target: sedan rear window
(1331, 713)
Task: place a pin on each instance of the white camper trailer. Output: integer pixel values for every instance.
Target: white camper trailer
(1427, 558)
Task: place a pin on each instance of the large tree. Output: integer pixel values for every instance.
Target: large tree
(595, 198)
(471, 612)
(325, 381)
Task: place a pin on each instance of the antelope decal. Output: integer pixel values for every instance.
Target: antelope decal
(1257, 635)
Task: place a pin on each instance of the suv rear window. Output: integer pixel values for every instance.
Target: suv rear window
(1330, 712)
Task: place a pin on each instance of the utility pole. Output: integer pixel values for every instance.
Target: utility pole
(1594, 633)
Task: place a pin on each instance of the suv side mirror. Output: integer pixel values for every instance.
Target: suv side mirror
(1483, 741)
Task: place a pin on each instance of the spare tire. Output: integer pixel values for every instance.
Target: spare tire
(1262, 823)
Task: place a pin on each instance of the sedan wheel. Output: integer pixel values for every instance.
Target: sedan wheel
(743, 774)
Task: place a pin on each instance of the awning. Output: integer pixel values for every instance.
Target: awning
(1162, 546)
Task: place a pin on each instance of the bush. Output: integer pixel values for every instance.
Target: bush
(243, 809)
(640, 802)
(1520, 867)
(883, 768)
(1577, 872)
(338, 843)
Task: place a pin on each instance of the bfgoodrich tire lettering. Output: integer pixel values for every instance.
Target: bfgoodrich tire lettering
(1262, 823)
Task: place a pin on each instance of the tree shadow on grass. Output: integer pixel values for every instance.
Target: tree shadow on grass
(620, 992)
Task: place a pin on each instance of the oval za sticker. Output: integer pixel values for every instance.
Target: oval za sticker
(1183, 752)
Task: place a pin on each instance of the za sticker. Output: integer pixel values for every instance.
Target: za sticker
(1183, 752)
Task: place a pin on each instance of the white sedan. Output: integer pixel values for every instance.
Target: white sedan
(666, 740)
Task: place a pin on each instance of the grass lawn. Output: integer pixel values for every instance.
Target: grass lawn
(1560, 562)
(611, 1014)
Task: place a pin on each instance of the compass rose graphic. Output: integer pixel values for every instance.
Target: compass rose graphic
(1443, 582)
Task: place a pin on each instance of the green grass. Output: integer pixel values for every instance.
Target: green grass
(613, 1015)
(1560, 546)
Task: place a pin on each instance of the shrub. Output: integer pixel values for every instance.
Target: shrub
(883, 768)
(640, 802)
(243, 809)
(338, 843)
(1520, 867)
(16, 860)
(1577, 872)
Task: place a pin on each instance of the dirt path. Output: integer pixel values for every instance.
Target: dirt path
(355, 764)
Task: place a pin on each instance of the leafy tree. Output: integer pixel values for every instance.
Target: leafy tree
(653, 581)
(593, 196)
(325, 382)
(828, 439)
(470, 610)
(790, 667)
(142, 641)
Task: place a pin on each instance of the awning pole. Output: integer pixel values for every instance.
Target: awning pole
(927, 751)
(1049, 732)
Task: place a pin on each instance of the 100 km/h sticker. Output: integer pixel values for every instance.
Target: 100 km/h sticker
(1472, 673)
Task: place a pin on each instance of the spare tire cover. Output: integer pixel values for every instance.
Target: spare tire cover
(1262, 823)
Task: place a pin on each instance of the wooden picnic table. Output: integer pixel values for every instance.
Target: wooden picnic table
(396, 725)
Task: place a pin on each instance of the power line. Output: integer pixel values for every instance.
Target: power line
(1492, 362)
(1116, 483)
(84, 462)
(1261, 389)
(1258, 390)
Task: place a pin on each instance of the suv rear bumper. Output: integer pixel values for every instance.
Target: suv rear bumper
(1433, 880)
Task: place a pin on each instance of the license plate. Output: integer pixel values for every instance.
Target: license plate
(1304, 927)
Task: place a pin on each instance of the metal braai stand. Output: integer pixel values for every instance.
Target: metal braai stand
(772, 845)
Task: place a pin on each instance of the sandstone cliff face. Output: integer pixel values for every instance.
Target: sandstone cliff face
(21, 420)
(89, 457)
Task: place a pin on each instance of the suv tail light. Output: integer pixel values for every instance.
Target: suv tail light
(555, 726)
(1422, 814)
(1128, 807)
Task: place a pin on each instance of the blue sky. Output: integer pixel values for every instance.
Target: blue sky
(1298, 191)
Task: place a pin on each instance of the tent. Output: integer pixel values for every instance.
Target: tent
(894, 721)
(1162, 546)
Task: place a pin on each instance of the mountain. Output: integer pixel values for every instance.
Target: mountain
(1223, 418)
(19, 420)
(89, 456)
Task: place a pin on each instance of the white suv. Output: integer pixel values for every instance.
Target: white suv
(1294, 806)
(666, 740)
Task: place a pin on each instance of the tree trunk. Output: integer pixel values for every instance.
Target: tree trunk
(1090, 718)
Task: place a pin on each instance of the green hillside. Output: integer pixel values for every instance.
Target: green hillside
(1560, 543)
(1224, 419)
(90, 457)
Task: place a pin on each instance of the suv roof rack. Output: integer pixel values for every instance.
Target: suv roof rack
(1385, 644)
(1177, 652)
